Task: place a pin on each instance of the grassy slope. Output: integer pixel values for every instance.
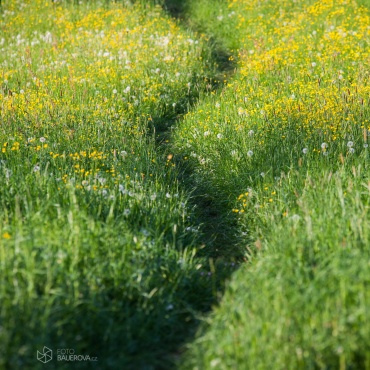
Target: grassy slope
(97, 238)
(283, 147)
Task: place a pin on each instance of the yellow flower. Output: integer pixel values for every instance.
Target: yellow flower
(6, 235)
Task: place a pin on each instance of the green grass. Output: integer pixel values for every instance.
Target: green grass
(140, 160)
(282, 150)
(98, 239)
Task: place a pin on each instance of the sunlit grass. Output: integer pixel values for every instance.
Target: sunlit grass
(284, 147)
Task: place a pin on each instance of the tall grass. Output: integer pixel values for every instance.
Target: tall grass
(97, 237)
(284, 147)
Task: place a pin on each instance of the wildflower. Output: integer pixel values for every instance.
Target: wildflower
(249, 153)
(325, 154)
(305, 150)
(114, 91)
(169, 307)
(36, 168)
(324, 145)
(84, 183)
(295, 218)
(219, 136)
(168, 195)
(351, 150)
(123, 153)
(42, 139)
(126, 212)
(313, 64)
(217, 105)
(262, 174)
(250, 133)
(350, 144)
(366, 145)
(153, 196)
(206, 133)
(6, 235)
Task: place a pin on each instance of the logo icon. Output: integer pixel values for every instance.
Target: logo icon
(46, 356)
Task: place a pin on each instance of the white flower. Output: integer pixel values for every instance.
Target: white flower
(21, 91)
(262, 174)
(325, 153)
(350, 144)
(351, 150)
(251, 133)
(36, 168)
(168, 195)
(313, 64)
(305, 150)
(219, 136)
(126, 212)
(324, 145)
(295, 218)
(366, 145)
(42, 139)
(104, 192)
(84, 183)
(169, 307)
(127, 89)
(153, 196)
(234, 152)
(220, 17)
(249, 153)
(123, 153)
(217, 105)
(114, 91)
(206, 133)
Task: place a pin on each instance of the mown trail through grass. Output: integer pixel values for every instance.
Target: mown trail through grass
(135, 174)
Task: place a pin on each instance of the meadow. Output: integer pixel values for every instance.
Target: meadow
(185, 184)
